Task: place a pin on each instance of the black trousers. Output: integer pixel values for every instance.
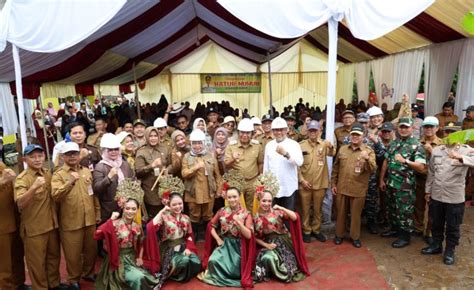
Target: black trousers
(287, 202)
(446, 214)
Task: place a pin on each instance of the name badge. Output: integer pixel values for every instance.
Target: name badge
(90, 191)
(156, 171)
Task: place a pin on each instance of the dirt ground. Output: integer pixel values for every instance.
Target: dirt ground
(407, 269)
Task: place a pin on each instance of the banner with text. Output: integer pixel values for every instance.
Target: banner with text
(231, 83)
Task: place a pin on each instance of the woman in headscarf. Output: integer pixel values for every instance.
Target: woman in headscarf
(200, 124)
(219, 144)
(39, 123)
(202, 181)
(180, 148)
(149, 162)
(108, 174)
(128, 148)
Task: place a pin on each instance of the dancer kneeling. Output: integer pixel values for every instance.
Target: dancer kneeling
(171, 231)
(231, 262)
(121, 268)
(282, 255)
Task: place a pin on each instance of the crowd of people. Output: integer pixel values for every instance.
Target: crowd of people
(390, 170)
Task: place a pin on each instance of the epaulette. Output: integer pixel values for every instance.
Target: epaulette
(233, 142)
(141, 147)
(254, 141)
(21, 174)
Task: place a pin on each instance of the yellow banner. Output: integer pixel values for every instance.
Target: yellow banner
(231, 83)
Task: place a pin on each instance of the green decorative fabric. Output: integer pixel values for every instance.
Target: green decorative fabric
(279, 263)
(175, 265)
(223, 268)
(127, 276)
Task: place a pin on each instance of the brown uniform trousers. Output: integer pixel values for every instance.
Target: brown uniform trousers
(315, 171)
(77, 218)
(12, 267)
(39, 231)
(201, 186)
(421, 220)
(249, 165)
(350, 174)
(145, 172)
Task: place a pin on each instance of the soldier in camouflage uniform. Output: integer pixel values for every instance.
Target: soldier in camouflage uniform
(403, 157)
(374, 142)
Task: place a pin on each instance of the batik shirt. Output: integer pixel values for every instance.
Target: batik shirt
(225, 219)
(173, 228)
(273, 222)
(127, 234)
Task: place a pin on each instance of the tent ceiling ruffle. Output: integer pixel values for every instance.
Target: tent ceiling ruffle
(156, 34)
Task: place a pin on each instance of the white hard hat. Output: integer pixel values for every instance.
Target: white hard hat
(69, 147)
(430, 121)
(374, 111)
(228, 119)
(197, 135)
(256, 121)
(109, 141)
(279, 123)
(160, 123)
(122, 135)
(245, 125)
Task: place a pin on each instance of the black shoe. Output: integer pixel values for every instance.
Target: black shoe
(372, 228)
(25, 287)
(356, 243)
(337, 240)
(90, 278)
(432, 250)
(307, 238)
(74, 286)
(61, 286)
(389, 234)
(448, 257)
(428, 240)
(400, 243)
(320, 237)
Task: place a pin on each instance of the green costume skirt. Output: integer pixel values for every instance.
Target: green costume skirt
(279, 263)
(223, 268)
(175, 265)
(127, 276)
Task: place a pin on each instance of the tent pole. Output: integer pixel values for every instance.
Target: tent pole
(270, 82)
(45, 133)
(136, 92)
(19, 94)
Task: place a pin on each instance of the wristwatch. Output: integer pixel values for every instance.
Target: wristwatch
(287, 155)
(407, 161)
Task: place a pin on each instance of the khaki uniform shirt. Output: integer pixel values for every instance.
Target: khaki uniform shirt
(8, 212)
(76, 201)
(94, 139)
(350, 173)
(39, 216)
(436, 142)
(447, 177)
(444, 120)
(200, 190)
(145, 156)
(264, 140)
(340, 134)
(251, 158)
(467, 124)
(315, 168)
(166, 142)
